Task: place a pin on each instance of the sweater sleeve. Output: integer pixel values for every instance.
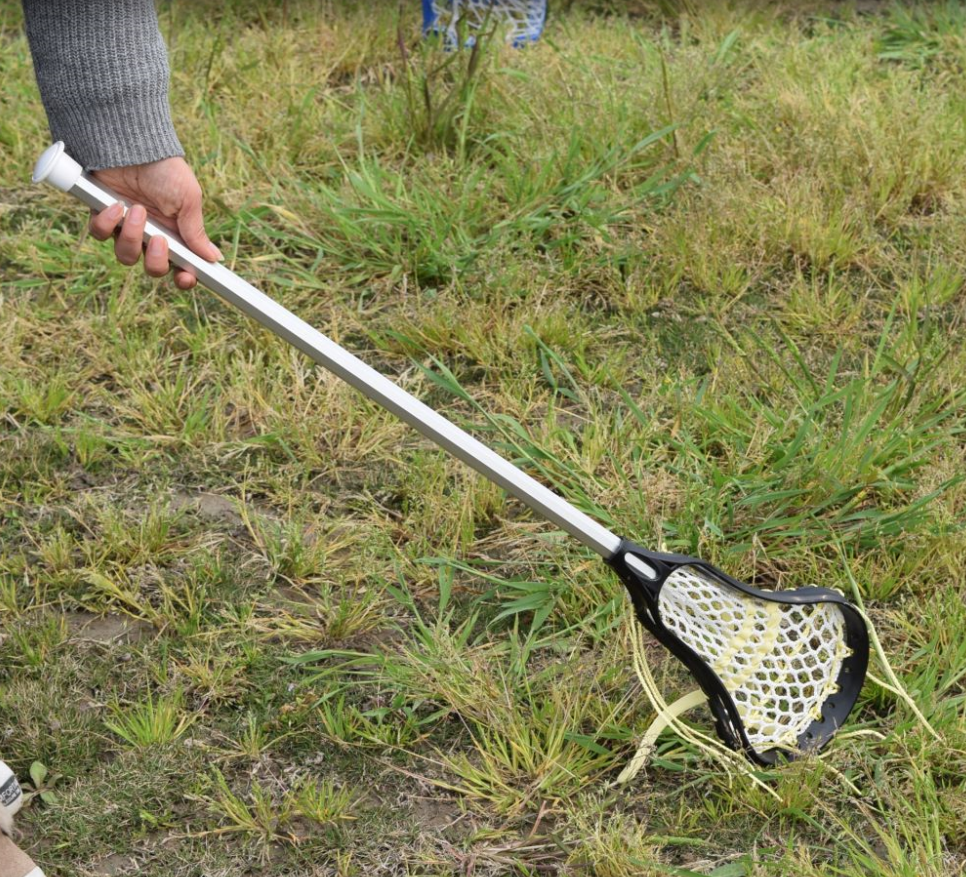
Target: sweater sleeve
(103, 73)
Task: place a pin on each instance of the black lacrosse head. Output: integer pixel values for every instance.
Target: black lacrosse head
(781, 670)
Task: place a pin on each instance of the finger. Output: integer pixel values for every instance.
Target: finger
(103, 224)
(192, 228)
(129, 242)
(156, 257)
(185, 279)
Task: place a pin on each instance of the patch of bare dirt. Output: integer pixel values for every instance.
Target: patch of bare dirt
(105, 629)
(114, 865)
(437, 814)
(212, 506)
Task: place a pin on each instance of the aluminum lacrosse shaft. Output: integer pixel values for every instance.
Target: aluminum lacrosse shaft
(60, 170)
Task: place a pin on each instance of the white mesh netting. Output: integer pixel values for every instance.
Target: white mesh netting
(523, 19)
(779, 662)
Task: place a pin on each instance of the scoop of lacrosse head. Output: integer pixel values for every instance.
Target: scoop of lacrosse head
(781, 669)
(522, 19)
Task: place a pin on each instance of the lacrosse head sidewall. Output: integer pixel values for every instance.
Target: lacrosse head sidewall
(645, 595)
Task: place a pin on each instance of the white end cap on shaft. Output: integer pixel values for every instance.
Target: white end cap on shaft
(57, 168)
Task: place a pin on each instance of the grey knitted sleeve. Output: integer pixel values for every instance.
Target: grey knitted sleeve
(102, 69)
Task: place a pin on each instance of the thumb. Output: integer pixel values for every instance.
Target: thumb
(191, 227)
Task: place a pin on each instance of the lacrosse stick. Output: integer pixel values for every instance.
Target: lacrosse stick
(781, 670)
(523, 19)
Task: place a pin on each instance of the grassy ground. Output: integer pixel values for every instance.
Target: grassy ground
(702, 265)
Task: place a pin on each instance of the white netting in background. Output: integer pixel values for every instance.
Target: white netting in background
(523, 19)
(779, 662)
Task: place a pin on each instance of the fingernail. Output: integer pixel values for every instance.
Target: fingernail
(155, 246)
(114, 211)
(218, 257)
(137, 214)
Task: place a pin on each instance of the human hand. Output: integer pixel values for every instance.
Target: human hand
(169, 193)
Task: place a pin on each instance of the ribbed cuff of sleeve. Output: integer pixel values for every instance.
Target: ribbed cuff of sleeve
(132, 129)
(102, 69)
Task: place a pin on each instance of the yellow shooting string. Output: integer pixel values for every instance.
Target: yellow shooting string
(661, 721)
(729, 760)
(668, 716)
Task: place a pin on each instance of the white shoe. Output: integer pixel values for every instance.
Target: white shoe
(14, 862)
(11, 798)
